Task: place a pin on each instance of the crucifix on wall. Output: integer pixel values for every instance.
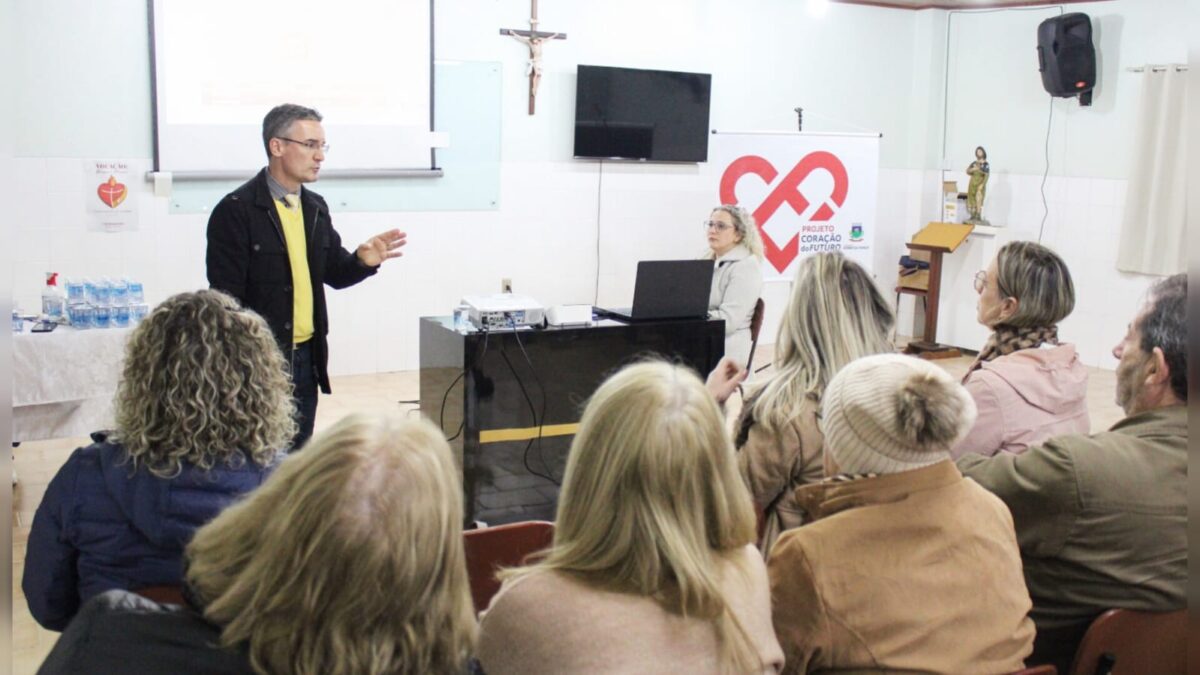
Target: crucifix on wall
(534, 40)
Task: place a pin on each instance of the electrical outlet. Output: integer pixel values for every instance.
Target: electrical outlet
(506, 285)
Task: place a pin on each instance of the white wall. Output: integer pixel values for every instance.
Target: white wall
(996, 100)
(855, 68)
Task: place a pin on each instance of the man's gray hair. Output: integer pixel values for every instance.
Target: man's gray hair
(281, 118)
(1164, 325)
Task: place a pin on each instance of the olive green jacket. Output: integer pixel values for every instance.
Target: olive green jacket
(1101, 519)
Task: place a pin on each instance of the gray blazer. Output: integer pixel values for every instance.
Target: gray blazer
(737, 285)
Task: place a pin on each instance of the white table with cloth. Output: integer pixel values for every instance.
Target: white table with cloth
(64, 381)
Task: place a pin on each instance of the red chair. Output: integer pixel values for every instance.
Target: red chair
(163, 595)
(491, 548)
(1037, 670)
(1126, 642)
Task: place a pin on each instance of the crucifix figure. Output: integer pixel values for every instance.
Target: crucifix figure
(534, 41)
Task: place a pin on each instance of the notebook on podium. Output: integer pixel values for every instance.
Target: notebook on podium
(667, 289)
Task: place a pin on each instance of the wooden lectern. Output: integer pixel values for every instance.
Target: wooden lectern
(934, 239)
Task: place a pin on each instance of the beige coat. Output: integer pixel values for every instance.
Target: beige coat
(914, 571)
(549, 622)
(775, 465)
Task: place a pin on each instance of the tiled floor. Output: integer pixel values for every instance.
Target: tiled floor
(37, 462)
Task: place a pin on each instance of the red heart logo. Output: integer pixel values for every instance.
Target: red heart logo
(112, 192)
(787, 191)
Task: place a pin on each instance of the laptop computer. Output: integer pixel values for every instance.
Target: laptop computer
(667, 289)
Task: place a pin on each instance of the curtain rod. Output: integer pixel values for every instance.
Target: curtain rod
(1157, 69)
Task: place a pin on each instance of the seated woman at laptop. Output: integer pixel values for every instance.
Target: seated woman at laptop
(836, 314)
(735, 245)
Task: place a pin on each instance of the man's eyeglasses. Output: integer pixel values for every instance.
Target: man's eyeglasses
(980, 281)
(313, 145)
(716, 225)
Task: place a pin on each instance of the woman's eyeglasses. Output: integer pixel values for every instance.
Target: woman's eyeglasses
(716, 225)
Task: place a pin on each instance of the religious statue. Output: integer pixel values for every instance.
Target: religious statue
(979, 171)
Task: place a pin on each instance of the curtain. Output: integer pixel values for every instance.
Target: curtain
(1153, 231)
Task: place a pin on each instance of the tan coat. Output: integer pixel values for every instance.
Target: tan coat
(549, 622)
(914, 571)
(775, 465)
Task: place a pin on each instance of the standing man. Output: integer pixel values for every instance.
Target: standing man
(271, 245)
(1102, 519)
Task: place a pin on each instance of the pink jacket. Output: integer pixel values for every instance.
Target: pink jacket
(1025, 398)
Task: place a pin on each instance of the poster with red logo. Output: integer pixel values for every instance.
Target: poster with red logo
(106, 188)
(808, 192)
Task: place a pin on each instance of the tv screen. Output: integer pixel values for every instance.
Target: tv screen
(655, 115)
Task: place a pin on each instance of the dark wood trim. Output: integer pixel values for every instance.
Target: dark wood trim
(944, 5)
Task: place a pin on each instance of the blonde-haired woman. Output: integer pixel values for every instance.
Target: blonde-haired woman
(736, 247)
(1027, 384)
(653, 567)
(835, 315)
(202, 409)
(348, 560)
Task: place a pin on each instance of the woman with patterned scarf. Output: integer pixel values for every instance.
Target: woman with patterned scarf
(1027, 385)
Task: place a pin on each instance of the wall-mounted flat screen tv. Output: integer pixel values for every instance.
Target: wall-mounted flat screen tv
(652, 115)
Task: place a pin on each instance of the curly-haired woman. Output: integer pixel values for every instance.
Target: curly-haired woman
(202, 409)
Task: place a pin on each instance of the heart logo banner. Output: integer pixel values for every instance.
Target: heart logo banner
(808, 192)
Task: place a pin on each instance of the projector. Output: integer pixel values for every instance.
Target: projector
(504, 310)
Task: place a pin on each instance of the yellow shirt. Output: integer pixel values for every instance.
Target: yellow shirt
(302, 295)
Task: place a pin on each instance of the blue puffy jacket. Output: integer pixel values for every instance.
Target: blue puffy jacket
(102, 526)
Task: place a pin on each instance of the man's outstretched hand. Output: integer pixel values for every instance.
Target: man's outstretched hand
(382, 246)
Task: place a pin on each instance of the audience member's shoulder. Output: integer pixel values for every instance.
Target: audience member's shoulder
(121, 631)
(526, 592)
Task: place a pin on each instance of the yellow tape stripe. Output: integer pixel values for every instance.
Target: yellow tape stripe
(503, 435)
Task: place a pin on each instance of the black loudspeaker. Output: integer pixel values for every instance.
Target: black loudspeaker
(1066, 56)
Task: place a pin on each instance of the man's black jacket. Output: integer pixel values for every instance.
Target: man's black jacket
(247, 258)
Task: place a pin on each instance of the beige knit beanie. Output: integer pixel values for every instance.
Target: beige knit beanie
(891, 413)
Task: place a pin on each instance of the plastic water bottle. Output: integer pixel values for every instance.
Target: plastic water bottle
(137, 312)
(102, 317)
(120, 316)
(462, 318)
(103, 292)
(18, 322)
(136, 294)
(120, 293)
(89, 291)
(77, 314)
(75, 290)
(52, 298)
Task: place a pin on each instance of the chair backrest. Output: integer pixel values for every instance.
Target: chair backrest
(756, 321)
(501, 546)
(1123, 641)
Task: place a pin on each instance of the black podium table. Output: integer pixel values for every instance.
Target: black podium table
(510, 401)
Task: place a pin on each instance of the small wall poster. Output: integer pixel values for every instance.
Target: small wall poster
(108, 191)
